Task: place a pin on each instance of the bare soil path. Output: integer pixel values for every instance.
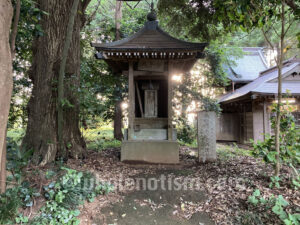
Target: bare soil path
(153, 207)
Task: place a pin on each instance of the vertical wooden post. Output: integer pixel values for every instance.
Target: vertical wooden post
(131, 90)
(170, 96)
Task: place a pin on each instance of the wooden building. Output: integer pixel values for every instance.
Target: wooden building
(150, 58)
(247, 111)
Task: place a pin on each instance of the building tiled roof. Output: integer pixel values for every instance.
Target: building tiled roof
(266, 83)
(248, 66)
(150, 38)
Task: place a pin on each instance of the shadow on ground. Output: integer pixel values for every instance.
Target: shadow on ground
(159, 207)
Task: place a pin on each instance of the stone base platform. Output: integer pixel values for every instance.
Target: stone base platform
(150, 151)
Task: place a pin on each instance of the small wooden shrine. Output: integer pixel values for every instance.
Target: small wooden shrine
(150, 58)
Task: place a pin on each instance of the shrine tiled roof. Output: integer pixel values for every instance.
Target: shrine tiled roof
(150, 42)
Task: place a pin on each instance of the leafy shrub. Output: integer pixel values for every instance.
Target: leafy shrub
(64, 195)
(209, 104)
(9, 205)
(278, 205)
(107, 143)
(17, 159)
(13, 199)
(185, 132)
(289, 142)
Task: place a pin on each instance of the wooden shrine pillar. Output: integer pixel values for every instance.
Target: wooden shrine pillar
(170, 96)
(131, 90)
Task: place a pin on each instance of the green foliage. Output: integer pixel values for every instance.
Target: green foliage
(289, 141)
(21, 219)
(277, 205)
(261, 15)
(249, 218)
(209, 104)
(229, 152)
(186, 133)
(101, 144)
(17, 159)
(13, 199)
(64, 195)
(100, 138)
(275, 182)
(50, 174)
(296, 182)
(27, 193)
(190, 18)
(28, 28)
(9, 205)
(219, 57)
(253, 198)
(100, 88)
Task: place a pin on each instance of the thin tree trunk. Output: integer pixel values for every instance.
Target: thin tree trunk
(14, 31)
(42, 129)
(118, 18)
(3, 169)
(278, 114)
(6, 82)
(118, 109)
(62, 75)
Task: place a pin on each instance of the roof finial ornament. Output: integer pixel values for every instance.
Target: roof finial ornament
(152, 15)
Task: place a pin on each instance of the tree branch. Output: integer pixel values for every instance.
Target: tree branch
(14, 31)
(85, 4)
(267, 39)
(289, 26)
(269, 42)
(278, 35)
(91, 17)
(292, 4)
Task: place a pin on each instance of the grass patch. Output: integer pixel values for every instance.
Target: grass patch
(231, 151)
(100, 138)
(98, 133)
(193, 144)
(101, 144)
(16, 134)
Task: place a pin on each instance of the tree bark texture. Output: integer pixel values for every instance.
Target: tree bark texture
(3, 174)
(14, 30)
(61, 76)
(118, 109)
(118, 121)
(41, 134)
(6, 81)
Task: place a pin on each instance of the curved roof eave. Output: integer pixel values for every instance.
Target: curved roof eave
(150, 25)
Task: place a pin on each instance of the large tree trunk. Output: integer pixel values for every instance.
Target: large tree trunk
(41, 134)
(6, 81)
(118, 109)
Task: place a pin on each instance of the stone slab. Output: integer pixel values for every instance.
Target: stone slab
(150, 134)
(161, 152)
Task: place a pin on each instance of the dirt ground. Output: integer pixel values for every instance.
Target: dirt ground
(221, 198)
(155, 207)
